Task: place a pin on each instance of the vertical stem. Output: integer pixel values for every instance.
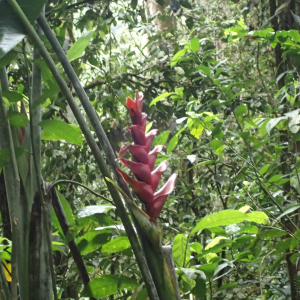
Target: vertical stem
(65, 226)
(12, 184)
(167, 251)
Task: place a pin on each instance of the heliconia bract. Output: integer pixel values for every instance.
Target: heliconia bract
(144, 161)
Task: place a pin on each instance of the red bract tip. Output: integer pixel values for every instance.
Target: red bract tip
(139, 97)
(160, 198)
(143, 190)
(135, 109)
(156, 174)
(149, 138)
(152, 156)
(141, 171)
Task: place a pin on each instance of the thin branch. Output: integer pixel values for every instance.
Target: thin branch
(79, 184)
(65, 226)
(270, 101)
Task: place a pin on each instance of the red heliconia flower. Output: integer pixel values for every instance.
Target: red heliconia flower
(144, 161)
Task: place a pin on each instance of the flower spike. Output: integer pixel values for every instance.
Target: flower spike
(144, 161)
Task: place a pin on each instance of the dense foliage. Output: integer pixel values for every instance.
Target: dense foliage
(221, 84)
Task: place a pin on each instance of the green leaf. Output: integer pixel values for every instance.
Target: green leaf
(189, 23)
(162, 138)
(100, 219)
(217, 131)
(240, 110)
(142, 295)
(79, 46)
(93, 240)
(11, 28)
(275, 177)
(179, 250)
(133, 4)
(162, 96)
(8, 58)
(67, 208)
(93, 209)
(209, 270)
(249, 229)
(222, 218)
(172, 144)
(207, 162)
(5, 155)
(264, 169)
(61, 131)
(220, 150)
(106, 285)
(118, 244)
(288, 211)
(47, 93)
(204, 69)
(12, 97)
(179, 71)
(148, 127)
(176, 58)
(195, 44)
(228, 217)
(272, 233)
(17, 119)
(196, 247)
(46, 73)
(227, 286)
(249, 121)
(258, 217)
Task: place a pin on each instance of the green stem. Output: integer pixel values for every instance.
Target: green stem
(12, 184)
(37, 177)
(65, 226)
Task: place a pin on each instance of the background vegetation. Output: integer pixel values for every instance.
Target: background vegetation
(221, 84)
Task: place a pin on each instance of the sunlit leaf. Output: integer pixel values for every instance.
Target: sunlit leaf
(17, 119)
(118, 244)
(12, 31)
(106, 285)
(195, 44)
(79, 46)
(62, 131)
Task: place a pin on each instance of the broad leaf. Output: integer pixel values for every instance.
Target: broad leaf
(195, 44)
(106, 285)
(12, 97)
(180, 250)
(228, 217)
(79, 46)
(17, 119)
(12, 30)
(93, 240)
(56, 130)
(172, 144)
(67, 208)
(162, 96)
(118, 244)
(93, 209)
